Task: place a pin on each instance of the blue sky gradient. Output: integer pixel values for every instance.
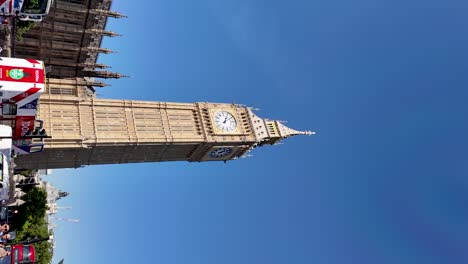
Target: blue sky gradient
(384, 180)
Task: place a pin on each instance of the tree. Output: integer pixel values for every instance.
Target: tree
(31, 222)
(35, 202)
(23, 27)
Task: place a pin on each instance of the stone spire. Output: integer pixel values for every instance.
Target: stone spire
(272, 131)
(82, 65)
(98, 49)
(97, 83)
(94, 65)
(107, 13)
(62, 194)
(103, 74)
(98, 11)
(287, 132)
(102, 32)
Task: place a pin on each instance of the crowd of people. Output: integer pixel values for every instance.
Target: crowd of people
(5, 236)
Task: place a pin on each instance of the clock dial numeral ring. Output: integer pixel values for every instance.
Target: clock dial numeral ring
(220, 152)
(225, 121)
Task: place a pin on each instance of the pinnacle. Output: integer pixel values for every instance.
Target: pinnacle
(309, 133)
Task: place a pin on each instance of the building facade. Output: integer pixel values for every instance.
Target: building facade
(69, 39)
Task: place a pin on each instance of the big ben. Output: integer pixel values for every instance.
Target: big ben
(90, 131)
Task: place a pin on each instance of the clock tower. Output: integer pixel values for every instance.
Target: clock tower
(89, 131)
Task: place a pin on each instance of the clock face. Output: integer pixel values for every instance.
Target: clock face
(220, 152)
(225, 121)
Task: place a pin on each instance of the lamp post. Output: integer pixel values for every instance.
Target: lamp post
(33, 240)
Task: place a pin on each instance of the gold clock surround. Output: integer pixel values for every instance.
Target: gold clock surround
(217, 130)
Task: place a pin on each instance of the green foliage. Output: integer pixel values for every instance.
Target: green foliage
(23, 27)
(36, 227)
(44, 252)
(33, 210)
(36, 202)
(31, 222)
(32, 4)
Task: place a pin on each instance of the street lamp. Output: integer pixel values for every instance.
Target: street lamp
(33, 240)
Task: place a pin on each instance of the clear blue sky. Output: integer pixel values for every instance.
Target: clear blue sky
(384, 83)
